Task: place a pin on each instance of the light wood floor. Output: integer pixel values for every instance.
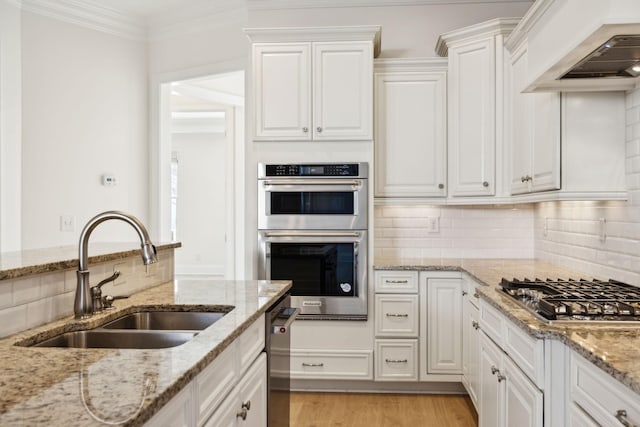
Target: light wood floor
(381, 410)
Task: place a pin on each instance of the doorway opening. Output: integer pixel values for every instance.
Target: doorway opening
(205, 119)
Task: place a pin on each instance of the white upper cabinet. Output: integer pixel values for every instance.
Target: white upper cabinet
(411, 136)
(533, 135)
(476, 107)
(313, 83)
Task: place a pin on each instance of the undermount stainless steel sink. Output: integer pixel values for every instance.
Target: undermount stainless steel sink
(104, 338)
(166, 320)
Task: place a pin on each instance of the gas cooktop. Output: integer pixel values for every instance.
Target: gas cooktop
(577, 300)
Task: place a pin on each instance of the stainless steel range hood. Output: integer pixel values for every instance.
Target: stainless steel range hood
(618, 57)
(581, 45)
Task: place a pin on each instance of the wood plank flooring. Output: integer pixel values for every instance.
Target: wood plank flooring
(381, 410)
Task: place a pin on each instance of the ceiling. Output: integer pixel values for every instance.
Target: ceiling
(146, 9)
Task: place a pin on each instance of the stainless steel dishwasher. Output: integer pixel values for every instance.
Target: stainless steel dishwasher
(279, 320)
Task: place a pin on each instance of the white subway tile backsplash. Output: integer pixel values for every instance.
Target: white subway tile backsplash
(26, 290)
(53, 284)
(6, 293)
(13, 319)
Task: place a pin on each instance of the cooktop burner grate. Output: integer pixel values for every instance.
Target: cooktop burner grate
(577, 299)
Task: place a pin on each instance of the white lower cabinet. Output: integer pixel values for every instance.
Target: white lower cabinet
(599, 397)
(237, 376)
(470, 339)
(396, 360)
(246, 406)
(507, 396)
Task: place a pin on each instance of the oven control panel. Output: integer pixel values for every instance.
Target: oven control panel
(333, 169)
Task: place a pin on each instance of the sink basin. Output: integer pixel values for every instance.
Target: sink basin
(166, 320)
(103, 338)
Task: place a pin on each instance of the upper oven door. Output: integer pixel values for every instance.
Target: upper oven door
(312, 203)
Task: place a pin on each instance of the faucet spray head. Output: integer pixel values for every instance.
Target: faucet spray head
(148, 252)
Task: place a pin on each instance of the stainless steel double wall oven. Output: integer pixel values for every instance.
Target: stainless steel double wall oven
(312, 221)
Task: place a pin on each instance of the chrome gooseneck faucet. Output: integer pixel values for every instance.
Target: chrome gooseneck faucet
(83, 305)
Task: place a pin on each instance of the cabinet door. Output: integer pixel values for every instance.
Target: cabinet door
(282, 91)
(342, 91)
(523, 400)
(470, 348)
(472, 118)
(491, 390)
(178, 412)
(520, 135)
(411, 134)
(444, 326)
(545, 150)
(253, 394)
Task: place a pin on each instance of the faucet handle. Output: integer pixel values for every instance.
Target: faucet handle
(107, 301)
(96, 292)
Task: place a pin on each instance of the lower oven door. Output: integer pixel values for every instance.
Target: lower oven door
(328, 270)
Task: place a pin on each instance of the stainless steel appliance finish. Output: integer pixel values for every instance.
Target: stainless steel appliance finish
(577, 300)
(328, 269)
(618, 57)
(312, 196)
(279, 319)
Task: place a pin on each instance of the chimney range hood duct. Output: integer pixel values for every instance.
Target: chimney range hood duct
(618, 57)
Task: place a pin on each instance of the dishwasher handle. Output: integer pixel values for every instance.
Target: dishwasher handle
(283, 320)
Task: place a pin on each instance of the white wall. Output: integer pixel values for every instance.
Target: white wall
(84, 113)
(10, 127)
(572, 237)
(407, 31)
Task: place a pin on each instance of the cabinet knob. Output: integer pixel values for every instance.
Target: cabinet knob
(528, 178)
(305, 129)
(485, 184)
(501, 377)
(440, 186)
(319, 129)
(242, 414)
(522, 179)
(247, 405)
(475, 325)
(494, 370)
(464, 293)
(621, 415)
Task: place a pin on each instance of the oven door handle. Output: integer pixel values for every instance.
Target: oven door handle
(290, 314)
(312, 234)
(303, 182)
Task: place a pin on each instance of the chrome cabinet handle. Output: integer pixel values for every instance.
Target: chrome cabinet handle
(396, 360)
(522, 179)
(464, 293)
(397, 281)
(397, 315)
(475, 325)
(319, 129)
(621, 415)
(305, 129)
(501, 377)
(476, 294)
(494, 370)
(247, 405)
(312, 365)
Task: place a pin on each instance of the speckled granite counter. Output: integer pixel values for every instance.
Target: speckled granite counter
(43, 386)
(35, 261)
(615, 349)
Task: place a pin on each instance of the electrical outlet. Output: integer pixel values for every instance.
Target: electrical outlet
(67, 223)
(433, 224)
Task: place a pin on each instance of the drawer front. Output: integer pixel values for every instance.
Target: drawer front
(491, 322)
(251, 343)
(401, 282)
(602, 396)
(216, 381)
(526, 351)
(579, 418)
(396, 360)
(396, 315)
(347, 365)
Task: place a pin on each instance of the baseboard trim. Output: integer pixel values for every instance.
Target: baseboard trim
(338, 386)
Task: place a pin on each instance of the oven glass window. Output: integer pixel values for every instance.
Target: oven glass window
(316, 269)
(310, 203)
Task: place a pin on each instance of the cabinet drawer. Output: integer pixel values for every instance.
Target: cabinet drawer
(491, 322)
(215, 382)
(600, 395)
(251, 343)
(396, 360)
(396, 315)
(317, 364)
(526, 351)
(401, 282)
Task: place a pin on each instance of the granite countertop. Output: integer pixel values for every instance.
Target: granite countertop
(56, 386)
(613, 348)
(34, 261)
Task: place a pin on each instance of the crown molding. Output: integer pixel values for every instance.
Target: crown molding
(89, 15)
(492, 27)
(308, 4)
